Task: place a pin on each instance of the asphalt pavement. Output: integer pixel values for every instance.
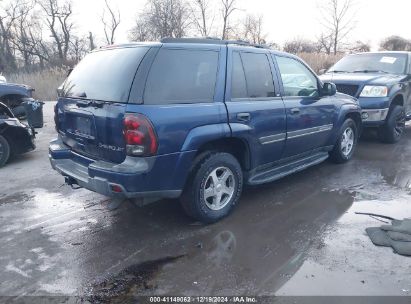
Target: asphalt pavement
(298, 236)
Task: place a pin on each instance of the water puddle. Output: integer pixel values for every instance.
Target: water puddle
(122, 287)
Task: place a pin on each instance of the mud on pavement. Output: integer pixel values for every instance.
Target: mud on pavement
(297, 236)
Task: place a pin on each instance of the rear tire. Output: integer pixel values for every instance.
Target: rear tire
(4, 151)
(214, 187)
(346, 142)
(394, 127)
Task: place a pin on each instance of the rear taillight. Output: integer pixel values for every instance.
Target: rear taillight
(56, 118)
(139, 135)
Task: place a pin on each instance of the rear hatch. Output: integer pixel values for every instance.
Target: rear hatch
(92, 102)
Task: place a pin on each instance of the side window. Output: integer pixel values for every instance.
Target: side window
(238, 84)
(297, 79)
(258, 75)
(182, 76)
(251, 76)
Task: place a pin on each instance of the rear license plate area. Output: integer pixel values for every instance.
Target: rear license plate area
(82, 127)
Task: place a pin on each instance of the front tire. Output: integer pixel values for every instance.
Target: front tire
(4, 151)
(394, 127)
(214, 187)
(346, 142)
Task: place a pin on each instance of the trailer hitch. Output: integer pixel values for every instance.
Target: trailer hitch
(72, 183)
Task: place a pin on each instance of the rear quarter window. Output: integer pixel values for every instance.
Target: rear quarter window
(182, 76)
(251, 76)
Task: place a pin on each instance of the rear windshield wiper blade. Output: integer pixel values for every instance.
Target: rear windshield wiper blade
(370, 71)
(83, 103)
(336, 71)
(89, 103)
(97, 103)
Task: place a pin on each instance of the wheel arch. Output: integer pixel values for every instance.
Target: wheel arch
(356, 116)
(236, 146)
(346, 111)
(397, 100)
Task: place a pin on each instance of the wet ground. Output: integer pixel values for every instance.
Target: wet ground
(297, 236)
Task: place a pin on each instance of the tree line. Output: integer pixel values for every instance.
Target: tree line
(35, 34)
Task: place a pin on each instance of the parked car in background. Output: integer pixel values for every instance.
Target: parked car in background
(15, 137)
(382, 83)
(13, 95)
(196, 119)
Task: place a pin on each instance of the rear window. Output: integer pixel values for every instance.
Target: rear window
(104, 75)
(182, 76)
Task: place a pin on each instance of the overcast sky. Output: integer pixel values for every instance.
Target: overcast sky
(283, 19)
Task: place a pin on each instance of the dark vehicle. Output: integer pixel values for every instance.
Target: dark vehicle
(13, 95)
(15, 137)
(196, 119)
(382, 83)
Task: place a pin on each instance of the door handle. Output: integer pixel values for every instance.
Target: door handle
(295, 111)
(243, 117)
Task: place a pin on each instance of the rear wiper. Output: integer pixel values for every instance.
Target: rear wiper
(83, 104)
(370, 71)
(89, 103)
(97, 103)
(336, 71)
(81, 95)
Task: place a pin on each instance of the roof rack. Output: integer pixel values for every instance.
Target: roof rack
(212, 40)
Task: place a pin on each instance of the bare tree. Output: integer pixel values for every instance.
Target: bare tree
(228, 7)
(395, 43)
(360, 46)
(253, 29)
(41, 48)
(325, 43)
(162, 18)
(79, 48)
(59, 23)
(299, 45)
(338, 19)
(9, 15)
(111, 22)
(20, 35)
(201, 12)
(27, 38)
(141, 31)
(92, 46)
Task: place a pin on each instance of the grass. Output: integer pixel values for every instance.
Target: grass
(46, 82)
(319, 61)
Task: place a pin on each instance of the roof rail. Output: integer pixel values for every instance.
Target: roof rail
(212, 40)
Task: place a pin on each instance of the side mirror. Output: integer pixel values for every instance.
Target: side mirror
(322, 71)
(329, 89)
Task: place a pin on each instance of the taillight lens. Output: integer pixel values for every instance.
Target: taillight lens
(56, 118)
(139, 135)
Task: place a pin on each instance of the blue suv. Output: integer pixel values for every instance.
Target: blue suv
(382, 83)
(196, 119)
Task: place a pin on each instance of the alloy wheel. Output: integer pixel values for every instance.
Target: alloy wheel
(347, 141)
(399, 124)
(219, 188)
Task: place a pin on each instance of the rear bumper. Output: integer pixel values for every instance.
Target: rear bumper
(136, 177)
